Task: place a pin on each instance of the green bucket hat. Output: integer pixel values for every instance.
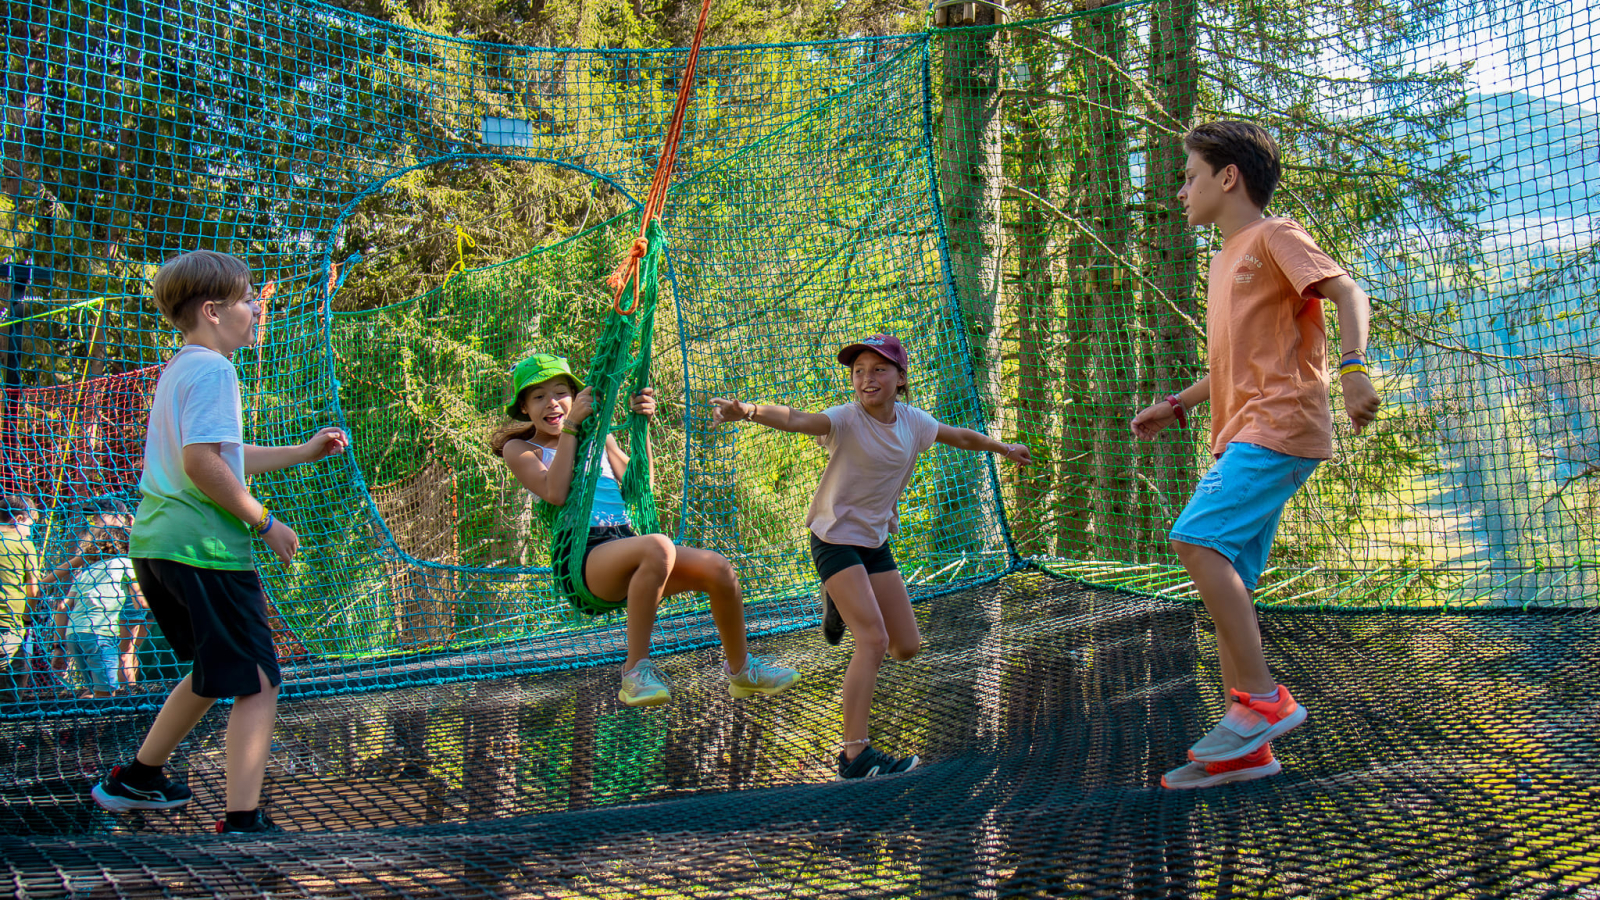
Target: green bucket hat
(536, 369)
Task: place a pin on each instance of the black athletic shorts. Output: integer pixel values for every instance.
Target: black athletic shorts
(599, 534)
(215, 617)
(831, 559)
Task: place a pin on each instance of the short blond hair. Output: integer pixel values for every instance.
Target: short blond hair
(187, 281)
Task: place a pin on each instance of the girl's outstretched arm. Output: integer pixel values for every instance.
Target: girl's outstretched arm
(967, 439)
(783, 418)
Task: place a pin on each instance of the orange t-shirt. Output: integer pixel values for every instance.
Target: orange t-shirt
(1266, 342)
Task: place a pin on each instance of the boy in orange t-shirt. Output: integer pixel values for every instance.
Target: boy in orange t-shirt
(1267, 351)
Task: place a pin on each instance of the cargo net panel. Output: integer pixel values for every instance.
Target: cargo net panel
(1002, 198)
(1045, 712)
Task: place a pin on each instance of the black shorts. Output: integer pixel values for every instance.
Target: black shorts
(600, 534)
(215, 617)
(831, 559)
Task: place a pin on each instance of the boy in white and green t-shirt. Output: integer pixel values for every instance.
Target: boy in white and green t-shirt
(191, 541)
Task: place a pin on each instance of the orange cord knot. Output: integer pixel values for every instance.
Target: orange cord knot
(628, 271)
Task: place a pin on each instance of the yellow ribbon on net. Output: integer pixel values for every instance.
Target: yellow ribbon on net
(464, 242)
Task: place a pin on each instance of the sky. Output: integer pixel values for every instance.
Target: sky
(1558, 62)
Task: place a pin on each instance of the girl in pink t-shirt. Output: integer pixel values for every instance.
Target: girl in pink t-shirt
(872, 447)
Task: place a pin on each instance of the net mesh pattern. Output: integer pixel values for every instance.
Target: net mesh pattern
(1446, 753)
(1003, 198)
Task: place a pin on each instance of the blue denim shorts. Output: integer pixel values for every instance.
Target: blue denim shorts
(1236, 506)
(98, 660)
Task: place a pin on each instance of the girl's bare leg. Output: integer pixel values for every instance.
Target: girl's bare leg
(851, 592)
(703, 570)
(634, 570)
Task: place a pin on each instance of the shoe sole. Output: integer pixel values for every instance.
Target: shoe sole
(740, 693)
(1270, 769)
(1284, 726)
(647, 701)
(113, 803)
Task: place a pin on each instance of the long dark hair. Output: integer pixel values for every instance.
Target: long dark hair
(511, 431)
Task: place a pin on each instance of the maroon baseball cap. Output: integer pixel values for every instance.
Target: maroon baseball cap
(885, 345)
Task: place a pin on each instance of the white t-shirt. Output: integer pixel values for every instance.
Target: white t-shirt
(99, 592)
(869, 465)
(196, 402)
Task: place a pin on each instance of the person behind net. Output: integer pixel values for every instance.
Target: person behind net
(191, 542)
(622, 569)
(90, 616)
(872, 444)
(1266, 350)
(107, 522)
(19, 589)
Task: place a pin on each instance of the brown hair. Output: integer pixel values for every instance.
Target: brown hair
(187, 281)
(511, 431)
(1244, 144)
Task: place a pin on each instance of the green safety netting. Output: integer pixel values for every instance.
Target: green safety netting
(1001, 197)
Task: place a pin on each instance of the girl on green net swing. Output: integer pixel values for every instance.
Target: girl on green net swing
(873, 444)
(623, 569)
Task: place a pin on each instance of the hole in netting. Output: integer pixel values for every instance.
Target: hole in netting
(467, 267)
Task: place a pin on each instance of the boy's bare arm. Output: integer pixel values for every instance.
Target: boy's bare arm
(327, 442)
(1361, 400)
(1158, 415)
(204, 465)
(1355, 312)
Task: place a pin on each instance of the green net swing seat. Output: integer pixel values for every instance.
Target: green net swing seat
(999, 197)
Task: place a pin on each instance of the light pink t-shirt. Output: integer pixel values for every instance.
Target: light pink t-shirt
(869, 465)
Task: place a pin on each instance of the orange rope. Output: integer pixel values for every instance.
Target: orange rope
(628, 271)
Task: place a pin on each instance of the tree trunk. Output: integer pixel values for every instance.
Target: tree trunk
(1106, 215)
(970, 178)
(1173, 354)
(1035, 297)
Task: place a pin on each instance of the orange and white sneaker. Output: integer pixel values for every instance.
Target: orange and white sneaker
(1249, 725)
(1259, 764)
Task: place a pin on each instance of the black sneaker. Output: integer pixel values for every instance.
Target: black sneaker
(115, 795)
(872, 761)
(832, 622)
(259, 825)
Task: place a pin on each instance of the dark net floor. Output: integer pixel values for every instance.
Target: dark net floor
(1446, 755)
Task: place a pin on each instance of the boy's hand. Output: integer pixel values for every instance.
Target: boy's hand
(1361, 400)
(1149, 422)
(582, 406)
(644, 403)
(282, 539)
(727, 410)
(325, 443)
(1018, 453)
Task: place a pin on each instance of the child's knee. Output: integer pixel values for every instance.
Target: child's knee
(900, 651)
(658, 554)
(873, 642)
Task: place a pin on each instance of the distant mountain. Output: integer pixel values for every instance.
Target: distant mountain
(1542, 158)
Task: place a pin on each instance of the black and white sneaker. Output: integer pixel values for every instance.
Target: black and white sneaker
(832, 622)
(872, 762)
(115, 795)
(259, 825)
